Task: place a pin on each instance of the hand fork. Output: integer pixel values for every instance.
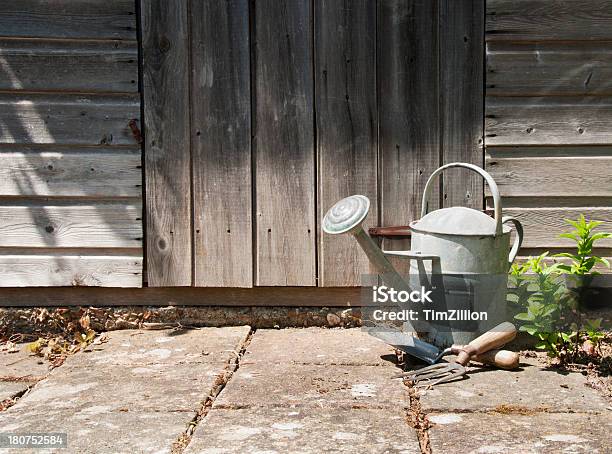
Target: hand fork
(493, 339)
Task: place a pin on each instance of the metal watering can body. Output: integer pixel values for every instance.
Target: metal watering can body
(461, 252)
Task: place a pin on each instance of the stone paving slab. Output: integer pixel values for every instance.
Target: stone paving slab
(8, 389)
(260, 384)
(505, 433)
(303, 430)
(532, 387)
(101, 432)
(142, 347)
(129, 407)
(318, 346)
(19, 370)
(310, 391)
(22, 364)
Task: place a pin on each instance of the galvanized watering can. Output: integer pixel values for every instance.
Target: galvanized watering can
(461, 252)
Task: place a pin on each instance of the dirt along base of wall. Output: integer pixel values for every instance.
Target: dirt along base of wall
(35, 320)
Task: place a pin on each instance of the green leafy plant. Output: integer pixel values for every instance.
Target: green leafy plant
(583, 261)
(594, 333)
(543, 296)
(549, 310)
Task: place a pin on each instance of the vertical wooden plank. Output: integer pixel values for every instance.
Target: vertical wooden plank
(221, 138)
(165, 53)
(345, 90)
(284, 143)
(409, 126)
(462, 96)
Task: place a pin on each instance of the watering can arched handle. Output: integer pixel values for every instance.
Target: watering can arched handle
(497, 206)
(518, 240)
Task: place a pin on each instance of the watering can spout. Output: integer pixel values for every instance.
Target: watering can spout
(347, 216)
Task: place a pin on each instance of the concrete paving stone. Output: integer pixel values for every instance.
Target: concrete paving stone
(22, 364)
(318, 346)
(265, 385)
(142, 347)
(116, 394)
(514, 433)
(532, 387)
(152, 388)
(303, 430)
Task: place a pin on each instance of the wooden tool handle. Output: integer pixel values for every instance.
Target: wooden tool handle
(495, 338)
(504, 359)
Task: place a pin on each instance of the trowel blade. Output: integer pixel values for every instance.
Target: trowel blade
(408, 344)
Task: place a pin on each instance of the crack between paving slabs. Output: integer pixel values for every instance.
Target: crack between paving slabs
(417, 418)
(8, 403)
(221, 381)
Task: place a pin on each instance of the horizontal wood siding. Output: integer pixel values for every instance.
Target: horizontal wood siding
(548, 20)
(549, 68)
(66, 267)
(70, 155)
(93, 19)
(74, 65)
(548, 125)
(52, 171)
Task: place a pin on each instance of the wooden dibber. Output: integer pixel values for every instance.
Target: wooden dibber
(484, 348)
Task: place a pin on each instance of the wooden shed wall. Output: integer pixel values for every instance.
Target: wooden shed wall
(261, 115)
(70, 166)
(548, 126)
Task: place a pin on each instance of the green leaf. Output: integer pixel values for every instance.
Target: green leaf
(571, 236)
(530, 329)
(524, 316)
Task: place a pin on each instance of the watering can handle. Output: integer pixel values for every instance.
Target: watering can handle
(518, 240)
(488, 178)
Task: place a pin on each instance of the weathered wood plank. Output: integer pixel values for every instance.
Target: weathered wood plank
(345, 86)
(165, 50)
(552, 176)
(409, 127)
(543, 225)
(547, 121)
(110, 19)
(554, 201)
(540, 20)
(284, 143)
(48, 224)
(189, 296)
(69, 269)
(90, 66)
(221, 137)
(82, 119)
(57, 171)
(461, 94)
(549, 69)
